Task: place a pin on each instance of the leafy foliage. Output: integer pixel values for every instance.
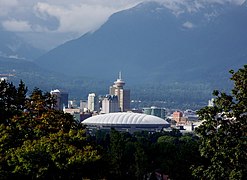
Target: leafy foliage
(12, 100)
(138, 155)
(223, 133)
(39, 142)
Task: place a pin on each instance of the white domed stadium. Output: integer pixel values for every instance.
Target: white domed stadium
(124, 121)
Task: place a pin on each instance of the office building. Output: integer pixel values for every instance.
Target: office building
(72, 104)
(61, 98)
(179, 118)
(83, 105)
(110, 104)
(155, 111)
(93, 102)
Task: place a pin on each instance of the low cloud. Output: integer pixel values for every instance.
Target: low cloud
(75, 18)
(188, 25)
(6, 6)
(56, 21)
(15, 25)
(78, 16)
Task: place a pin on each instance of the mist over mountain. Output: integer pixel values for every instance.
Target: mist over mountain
(150, 43)
(14, 47)
(36, 77)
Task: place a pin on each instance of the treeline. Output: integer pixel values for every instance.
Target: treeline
(144, 155)
(39, 142)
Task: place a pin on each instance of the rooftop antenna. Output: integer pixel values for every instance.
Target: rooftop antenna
(120, 75)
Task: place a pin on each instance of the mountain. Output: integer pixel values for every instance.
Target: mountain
(36, 77)
(14, 47)
(150, 43)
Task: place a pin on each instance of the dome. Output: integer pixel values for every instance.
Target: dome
(125, 118)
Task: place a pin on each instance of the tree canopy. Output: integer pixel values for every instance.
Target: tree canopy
(223, 134)
(39, 142)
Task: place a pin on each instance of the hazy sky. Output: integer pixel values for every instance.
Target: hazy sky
(68, 15)
(74, 16)
(58, 15)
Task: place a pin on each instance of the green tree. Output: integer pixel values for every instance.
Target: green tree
(59, 156)
(12, 100)
(39, 142)
(140, 161)
(117, 146)
(39, 102)
(223, 133)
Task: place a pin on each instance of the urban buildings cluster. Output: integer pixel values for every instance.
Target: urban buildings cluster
(118, 101)
(113, 110)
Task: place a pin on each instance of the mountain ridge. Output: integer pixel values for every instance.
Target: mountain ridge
(148, 41)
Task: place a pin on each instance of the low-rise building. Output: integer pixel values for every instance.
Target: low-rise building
(155, 111)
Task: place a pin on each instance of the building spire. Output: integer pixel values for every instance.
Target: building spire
(120, 75)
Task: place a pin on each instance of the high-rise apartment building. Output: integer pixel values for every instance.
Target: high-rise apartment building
(110, 104)
(93, 102)
(122, 94)
(61, 98)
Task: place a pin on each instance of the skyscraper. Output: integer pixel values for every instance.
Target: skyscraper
(110, 104)
(122, 94)
(93, 102)
(61, 98)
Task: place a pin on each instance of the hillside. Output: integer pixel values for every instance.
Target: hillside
(34, 76)
(149, 43)
(14, 47)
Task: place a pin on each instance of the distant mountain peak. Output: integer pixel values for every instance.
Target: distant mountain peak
(151, 43)
(192, 6)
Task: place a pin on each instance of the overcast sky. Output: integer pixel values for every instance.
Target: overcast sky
(58, 15)
(67, 15)
(73, 16)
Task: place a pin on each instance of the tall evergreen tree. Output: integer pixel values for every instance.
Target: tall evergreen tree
(12, 100)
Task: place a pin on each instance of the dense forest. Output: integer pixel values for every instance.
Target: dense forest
(39, 142)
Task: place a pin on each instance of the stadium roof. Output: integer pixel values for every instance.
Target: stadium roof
(121, 118)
